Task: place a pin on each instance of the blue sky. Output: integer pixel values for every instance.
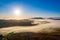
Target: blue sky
(31, 7)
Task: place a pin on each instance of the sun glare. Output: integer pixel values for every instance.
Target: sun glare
(17, 12)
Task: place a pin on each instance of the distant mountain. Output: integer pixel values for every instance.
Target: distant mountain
(37, 18)
(54, 18)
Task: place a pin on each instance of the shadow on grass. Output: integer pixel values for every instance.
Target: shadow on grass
(31, 36)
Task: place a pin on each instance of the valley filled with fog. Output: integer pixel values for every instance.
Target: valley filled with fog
(47, 27)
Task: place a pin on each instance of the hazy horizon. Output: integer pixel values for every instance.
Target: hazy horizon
(29, 8)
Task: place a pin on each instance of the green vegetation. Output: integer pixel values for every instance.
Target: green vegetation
(24, 22)
(9, 23)
(32, 36)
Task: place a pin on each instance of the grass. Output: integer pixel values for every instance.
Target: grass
(33, 36)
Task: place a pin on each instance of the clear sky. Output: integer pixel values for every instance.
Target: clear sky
(30, 7)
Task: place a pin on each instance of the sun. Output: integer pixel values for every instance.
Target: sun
(17, 13)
